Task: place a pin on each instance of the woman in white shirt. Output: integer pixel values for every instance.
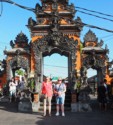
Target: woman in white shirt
(12, 89)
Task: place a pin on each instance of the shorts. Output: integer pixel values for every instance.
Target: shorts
(60, 100)
(13, 93)
(102, 100)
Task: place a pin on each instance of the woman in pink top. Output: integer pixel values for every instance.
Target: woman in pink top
(48, 92)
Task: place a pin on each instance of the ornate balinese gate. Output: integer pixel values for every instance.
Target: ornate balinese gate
(55, 31)
(18, 57)
(94, 56)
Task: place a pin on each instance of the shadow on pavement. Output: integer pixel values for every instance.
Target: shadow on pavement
(10, 107)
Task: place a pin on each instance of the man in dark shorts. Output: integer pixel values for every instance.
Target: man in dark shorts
(102, 96)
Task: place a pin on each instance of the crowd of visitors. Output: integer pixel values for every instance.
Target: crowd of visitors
(58, 90)
(15, 86)
(49, 89)
(105, 95)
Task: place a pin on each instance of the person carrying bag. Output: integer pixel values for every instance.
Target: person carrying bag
(59, 91)
(46, 94)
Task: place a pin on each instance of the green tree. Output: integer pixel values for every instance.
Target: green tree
(20, 72)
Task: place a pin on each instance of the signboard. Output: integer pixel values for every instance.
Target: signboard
(54, 79)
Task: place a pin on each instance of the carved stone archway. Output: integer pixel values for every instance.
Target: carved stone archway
(16, 63)
(49, 43)
(94, 62)
(93, 56)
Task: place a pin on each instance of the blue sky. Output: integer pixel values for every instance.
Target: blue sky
(14, 20)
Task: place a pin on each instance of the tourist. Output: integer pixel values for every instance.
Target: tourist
(12, 89)
(102, 95)
(105, 85)
(47, 91)
(22, 84)
(59, 91)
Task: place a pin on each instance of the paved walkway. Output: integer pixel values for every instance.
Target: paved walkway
(9, 115)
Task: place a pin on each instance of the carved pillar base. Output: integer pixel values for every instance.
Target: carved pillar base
(36, 97)
(73, 98)
(36, 103)
(35, 106)
(74, 102)
(31, 75)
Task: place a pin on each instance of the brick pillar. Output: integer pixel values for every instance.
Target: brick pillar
(74, 104)
(73, 98)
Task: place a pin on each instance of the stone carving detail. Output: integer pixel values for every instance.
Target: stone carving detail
(55, 22)
(54, 5)
(94, 61)
(90, 37)
(84, 99)
(78, 23)
(83, 73)
(19, 62)
(31, 22)
(38, 8)
(71, 8)
(106, 49)
(41, 21)
(100, 44)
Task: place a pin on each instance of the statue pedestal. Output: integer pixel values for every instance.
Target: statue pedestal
(80, 107)
(84, 107)
(25, 105)
(83, 104)
(74, 107)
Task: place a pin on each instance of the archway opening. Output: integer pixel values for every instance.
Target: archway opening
(19, 75)
(55, 66)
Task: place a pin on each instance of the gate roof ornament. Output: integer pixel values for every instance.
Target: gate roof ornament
(46, 1)
(55, 15)
(19, 44)
(90, 37)
(21, 41)
(91, 44)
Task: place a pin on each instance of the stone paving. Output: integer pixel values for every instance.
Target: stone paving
(9, 115)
